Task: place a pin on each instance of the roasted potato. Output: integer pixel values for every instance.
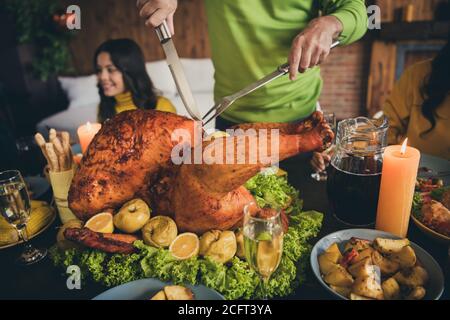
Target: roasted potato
(406, 257)
(354, 296)
(343, 291)
(386, 266)
(387, 246)
(159, 296)
(367, 252)
(178, 293)
(334, 249)
(417, 293)
(339, 277)
(391, 289)
(328, 261)
(358, 244)
(412, 278)
(361, 268)
(369, 287)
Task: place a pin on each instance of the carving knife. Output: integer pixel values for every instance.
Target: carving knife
(177, 70)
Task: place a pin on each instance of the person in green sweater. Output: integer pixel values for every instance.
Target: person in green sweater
(250, 38)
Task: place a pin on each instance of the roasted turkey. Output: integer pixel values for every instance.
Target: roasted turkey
(131, 157)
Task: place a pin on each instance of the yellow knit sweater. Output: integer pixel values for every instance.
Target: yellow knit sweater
(125, 103)
(403, 110)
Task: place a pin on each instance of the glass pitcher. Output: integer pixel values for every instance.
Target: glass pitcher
(355, 170)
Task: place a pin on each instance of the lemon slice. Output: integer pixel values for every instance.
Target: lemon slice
(185, 246)
(101, 222)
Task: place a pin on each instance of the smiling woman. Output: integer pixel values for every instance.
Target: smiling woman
(123, 82)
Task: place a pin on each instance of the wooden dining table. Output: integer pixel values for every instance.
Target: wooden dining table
(44, 281)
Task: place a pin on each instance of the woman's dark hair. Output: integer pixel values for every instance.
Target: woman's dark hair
(128, 58)
(437, 86)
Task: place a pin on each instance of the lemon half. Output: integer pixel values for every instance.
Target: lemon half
(101, 222)
(185, 246)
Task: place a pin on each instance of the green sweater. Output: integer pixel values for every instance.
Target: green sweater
(250, 38)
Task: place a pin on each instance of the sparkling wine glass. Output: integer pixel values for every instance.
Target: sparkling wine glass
(263, 241)
(15, 208)
(330, 118)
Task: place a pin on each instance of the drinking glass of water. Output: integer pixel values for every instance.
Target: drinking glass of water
(15, 208)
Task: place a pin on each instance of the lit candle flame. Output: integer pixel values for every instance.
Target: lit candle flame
(403, 148)
(88, 126)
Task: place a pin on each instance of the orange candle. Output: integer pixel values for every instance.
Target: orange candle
(86, 133)
(398, 179)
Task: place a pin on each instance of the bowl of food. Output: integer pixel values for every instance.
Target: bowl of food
(431, 208)
(365, 264)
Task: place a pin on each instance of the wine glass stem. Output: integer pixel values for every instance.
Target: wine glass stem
(264, 286)
(23, 234)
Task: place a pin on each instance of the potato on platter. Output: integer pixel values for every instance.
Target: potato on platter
(357, 244)
(406, 257)
(133, 215)
(386, 266)
(412, 278)
(387, 246)
(334, 249)
(354, 296)
(327, 262)
(391, 289)
(159, 296)
(417, 293)
(362, 268)
(369, 287)
(367, 252)
(343, 291)
(339, 277)
(178, 293)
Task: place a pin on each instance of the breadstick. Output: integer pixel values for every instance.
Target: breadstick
(59, 152)
(51, 134)
(54, 166)
(65, 138)
(41, 143)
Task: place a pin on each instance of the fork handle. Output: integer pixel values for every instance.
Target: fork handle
(284, 68)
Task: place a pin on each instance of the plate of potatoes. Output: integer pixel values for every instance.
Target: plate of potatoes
(366, 264)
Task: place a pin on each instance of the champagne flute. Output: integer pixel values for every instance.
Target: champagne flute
(330, 118)
(263, 242)
(15, 208)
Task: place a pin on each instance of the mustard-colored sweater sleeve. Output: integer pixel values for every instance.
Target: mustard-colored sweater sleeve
(164, 104)
(397, 107)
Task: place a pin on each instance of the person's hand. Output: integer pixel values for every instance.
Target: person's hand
(320, 161)
(156, 11)
(312, 46)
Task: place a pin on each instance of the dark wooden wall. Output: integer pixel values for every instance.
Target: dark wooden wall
(110, 19)
(384, 53)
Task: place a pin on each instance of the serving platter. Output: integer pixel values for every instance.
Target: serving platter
(145, 289)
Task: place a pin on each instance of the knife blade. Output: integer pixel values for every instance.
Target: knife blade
(177, 71)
